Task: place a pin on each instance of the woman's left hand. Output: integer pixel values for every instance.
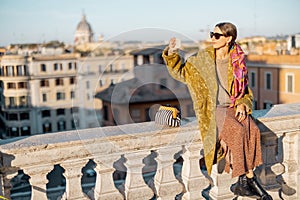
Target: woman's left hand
(240, 112)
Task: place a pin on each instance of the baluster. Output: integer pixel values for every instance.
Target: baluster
(105, 188)
(222, 182)
(192, 176)
(135, 186)
(166, 185)
(8, 174)
(73, 179)
(2, 185)
(290, 159)
(38, 180)
(269, 145)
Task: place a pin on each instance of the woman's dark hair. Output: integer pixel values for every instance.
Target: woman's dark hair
(228, 29)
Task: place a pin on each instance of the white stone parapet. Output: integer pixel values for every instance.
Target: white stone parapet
(147, 148)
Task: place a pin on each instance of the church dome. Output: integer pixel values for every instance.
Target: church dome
(84, 32)
(84, 26)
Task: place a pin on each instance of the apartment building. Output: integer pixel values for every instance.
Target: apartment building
(50, 93)
(274, 79)
(36, 94)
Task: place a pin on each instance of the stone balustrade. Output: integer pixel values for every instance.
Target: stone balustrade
(147, 148)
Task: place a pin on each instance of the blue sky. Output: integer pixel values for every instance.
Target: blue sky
(32, 21)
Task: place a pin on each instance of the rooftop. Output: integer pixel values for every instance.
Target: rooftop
(274, 59)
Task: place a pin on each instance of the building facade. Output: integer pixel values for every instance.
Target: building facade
(51, 93)
(274, 79)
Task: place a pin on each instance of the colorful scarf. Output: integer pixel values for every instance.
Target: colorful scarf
(239, 72)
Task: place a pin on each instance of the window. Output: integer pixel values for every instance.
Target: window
(55, 66)
(12, 101)
(20, 70)
(25, 130)
(60, 111)
(1, 71)
(13, 131)
(268, 78)
(72, 95)
(72, 80)
(10, 70)
(60, 96)
(252, 79)
(146, 59)
(70, 65)
(105, 112)
(289, 83)
(13, 116)
(255, 105)
(11, 86)
(22, 85)
(59, 81)
(44, 83)
(43, 68)
(147, 112)
(24, 116)
(44, 97)
(88, 85)
(47, 127)
(61, 125)
(46, 113)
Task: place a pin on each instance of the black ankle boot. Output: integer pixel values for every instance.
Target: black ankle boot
(241, 187)
(257, 188)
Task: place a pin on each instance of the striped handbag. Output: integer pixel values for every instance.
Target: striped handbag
(167, 115)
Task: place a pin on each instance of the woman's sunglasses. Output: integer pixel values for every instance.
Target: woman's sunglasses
(216, 35)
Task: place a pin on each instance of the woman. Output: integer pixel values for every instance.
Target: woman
(218, 84)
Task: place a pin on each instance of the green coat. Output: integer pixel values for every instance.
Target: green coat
(199, 74)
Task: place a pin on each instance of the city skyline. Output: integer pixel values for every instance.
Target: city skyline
(35, 21)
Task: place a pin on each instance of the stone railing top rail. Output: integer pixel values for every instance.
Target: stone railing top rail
(130, 137)
(279, 119)
(144, 131)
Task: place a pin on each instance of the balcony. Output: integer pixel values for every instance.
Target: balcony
(157, 162)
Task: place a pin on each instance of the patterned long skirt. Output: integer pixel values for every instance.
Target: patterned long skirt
(242, 141)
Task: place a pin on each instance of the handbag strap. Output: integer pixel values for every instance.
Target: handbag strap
(219, 82)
